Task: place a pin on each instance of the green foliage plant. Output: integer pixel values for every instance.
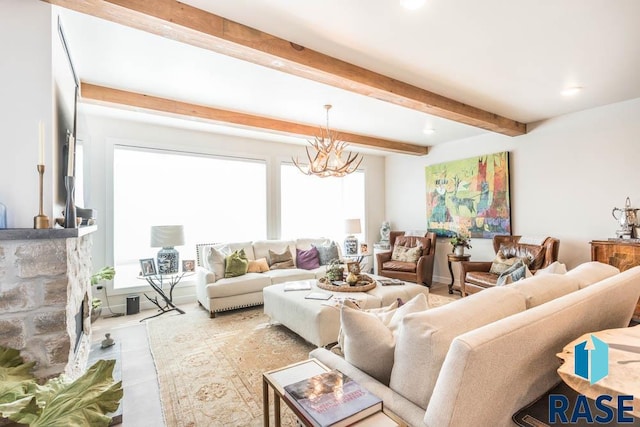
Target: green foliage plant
(59, 402)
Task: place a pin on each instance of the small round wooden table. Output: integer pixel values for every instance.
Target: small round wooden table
(455, 258)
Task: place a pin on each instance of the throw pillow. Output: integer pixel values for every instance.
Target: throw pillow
(374, 333)
(517, 271)
(308, 260)
(281, 261)
(501, 263)
(258, 266)
(215, 260)
(553, 268)
(236, 264)
(327, 253)
(405, 254)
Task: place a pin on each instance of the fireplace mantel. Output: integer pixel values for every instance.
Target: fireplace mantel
(48, 233)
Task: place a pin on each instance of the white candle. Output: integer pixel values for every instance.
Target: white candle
(71, 153)
(41, 143)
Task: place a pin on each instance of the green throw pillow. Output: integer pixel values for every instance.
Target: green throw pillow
(236, 264)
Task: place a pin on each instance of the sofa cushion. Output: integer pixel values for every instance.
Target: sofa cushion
(214, 261)
(591, 272)
(368, 333)
(242, 285)
(288, 275)
(423, 339)
(540, 289)
(481, 278)
(532, 254)
(280, 260)
(399, 266)
(258, 266)
(307, 260)
(327, 253)
(308, 243)
(236, 264)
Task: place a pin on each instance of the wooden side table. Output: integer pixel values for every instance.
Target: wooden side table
(455, 258)
(277, 379)
(621, 253)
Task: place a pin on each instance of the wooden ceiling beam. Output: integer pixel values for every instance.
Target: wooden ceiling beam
(135, 101)
(187, 24)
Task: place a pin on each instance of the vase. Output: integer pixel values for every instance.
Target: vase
(70, 207)
(458, 250)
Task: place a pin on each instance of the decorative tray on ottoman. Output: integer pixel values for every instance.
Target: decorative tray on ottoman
(364, 283)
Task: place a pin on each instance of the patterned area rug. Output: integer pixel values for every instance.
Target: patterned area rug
(210, 370)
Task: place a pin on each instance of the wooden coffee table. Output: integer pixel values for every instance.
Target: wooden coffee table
(277, 379)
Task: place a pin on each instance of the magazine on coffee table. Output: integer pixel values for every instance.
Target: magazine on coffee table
(302, 285)
(390, 282)
(332, 399)
(318, 295)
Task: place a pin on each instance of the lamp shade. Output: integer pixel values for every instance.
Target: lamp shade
(163, 236)
(352, 226)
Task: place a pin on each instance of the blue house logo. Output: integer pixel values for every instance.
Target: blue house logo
(592, 364)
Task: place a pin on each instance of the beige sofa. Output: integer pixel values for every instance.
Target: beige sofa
(478, 360)
(218, 294)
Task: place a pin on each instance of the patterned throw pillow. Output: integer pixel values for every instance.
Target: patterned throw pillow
(327, 253)
(501, 263)
(402, 253)
(236, 264)
(517, 271)
(281, 261)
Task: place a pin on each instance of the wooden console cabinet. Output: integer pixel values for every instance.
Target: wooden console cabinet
(622, 254)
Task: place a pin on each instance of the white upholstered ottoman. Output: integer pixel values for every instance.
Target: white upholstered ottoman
(318, 321)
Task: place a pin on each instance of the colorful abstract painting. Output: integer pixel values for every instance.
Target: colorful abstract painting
(469, 196)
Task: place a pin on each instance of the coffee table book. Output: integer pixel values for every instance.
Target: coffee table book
(332, 399)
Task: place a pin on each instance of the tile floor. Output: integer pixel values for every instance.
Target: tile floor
(141, 403)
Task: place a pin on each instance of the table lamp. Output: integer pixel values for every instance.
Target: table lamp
(166, 237)
(351, 227)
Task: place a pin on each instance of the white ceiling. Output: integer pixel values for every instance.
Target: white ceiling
(511, 58)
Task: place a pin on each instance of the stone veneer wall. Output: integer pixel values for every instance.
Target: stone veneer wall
(42, 284)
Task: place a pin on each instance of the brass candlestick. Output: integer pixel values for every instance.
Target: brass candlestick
(41, 220)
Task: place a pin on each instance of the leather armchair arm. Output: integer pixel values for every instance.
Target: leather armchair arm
(467, 266)
(382, 257)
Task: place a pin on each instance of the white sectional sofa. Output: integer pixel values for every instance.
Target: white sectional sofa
(218, 294)
(478, 360)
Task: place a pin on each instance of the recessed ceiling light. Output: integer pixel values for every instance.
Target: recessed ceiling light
(428, 131)
(570, 91)
(412, 4)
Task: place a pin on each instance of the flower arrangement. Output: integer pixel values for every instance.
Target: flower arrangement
(461, 239)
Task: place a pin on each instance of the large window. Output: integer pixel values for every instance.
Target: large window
(318, 207)
(216, 200)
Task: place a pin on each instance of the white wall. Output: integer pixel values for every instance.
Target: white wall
(567, 174)
(99, 133)
(26, 75)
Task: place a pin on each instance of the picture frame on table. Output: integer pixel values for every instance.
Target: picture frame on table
(353, 267)
(364, 249)
(148, 267)
(188, 265)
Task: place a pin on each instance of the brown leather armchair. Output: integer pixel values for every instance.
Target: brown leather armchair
(420, 272)
(476, 276)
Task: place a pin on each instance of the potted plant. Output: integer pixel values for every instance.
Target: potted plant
(106, 273)
(459, 241)
(335, 270)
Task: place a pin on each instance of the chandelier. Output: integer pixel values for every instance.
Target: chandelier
(328, 159)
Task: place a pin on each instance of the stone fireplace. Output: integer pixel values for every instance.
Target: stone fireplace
(45, 295)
